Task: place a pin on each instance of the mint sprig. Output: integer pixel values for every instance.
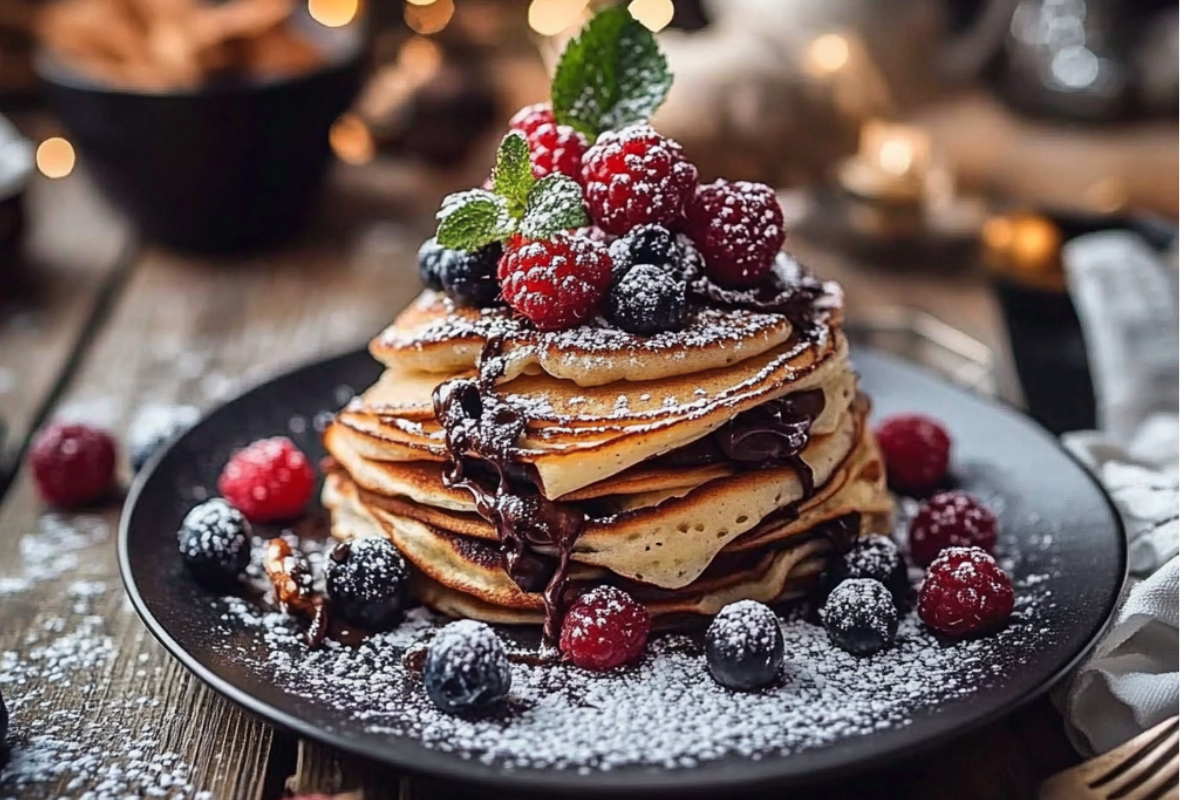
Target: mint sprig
(611, 75)
(536, 208)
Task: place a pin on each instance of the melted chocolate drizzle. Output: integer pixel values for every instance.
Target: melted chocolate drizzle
(789, 290)
(481, 427)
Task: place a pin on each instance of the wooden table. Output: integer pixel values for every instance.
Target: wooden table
(97, 324)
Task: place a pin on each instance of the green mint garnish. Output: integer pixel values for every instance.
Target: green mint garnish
(469, 220)
(555, 204)
(512, 177)
(611, 75)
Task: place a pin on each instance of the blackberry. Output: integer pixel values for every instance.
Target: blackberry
(875, 557)
(645, 244)
(860, 616)
(466, 668)
(429, 264)
(647, 301)
(469, 279)
(215, 542)
(367, 582)
(153, 427)
(744, 645)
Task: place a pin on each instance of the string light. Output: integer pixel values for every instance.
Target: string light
(422, 2)
(654, 14)
(827, 54)
(55, 157)
(419, 58)
(552, 17)
(333, 13)
(351, 141)
(429, 17)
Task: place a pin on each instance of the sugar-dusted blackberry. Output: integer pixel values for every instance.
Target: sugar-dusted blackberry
(860, 616)
(648, 300)
(367, 582)
(875, 557)
(215, 542)
(429, 264)
(466, 667)
(645, 244)
(153, 427)
(744, 645)
(469, 279)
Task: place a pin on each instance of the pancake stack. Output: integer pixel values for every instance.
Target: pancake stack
(516, 468)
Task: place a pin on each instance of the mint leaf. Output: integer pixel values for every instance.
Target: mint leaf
(609, 76)
(512, 177)
(469, 220)
(555, 204)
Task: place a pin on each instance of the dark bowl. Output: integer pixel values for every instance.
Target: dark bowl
(232, 165)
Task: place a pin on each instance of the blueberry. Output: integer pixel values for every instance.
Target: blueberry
(367, 582)
(744, 645)
(875, 557)
(466, 668)
(215, 543)
(860, 616)
(469, 279)
(647, 300)
(646, 244)
(153, 427)
(429, 263)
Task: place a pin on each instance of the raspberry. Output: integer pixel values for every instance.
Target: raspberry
(965, 592)
(268, 481)
(738, 228)
(605, 629)
(556, 148)
(917, 452)
(557, 282)
(635, 176)
(532, 117)
(950, 519)
(73, 464)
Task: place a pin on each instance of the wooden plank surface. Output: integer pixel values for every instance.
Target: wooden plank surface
(76, 248)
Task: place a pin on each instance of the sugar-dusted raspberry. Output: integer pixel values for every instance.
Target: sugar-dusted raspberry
(556, 148)
(950, 519)
(738, 228)
(605, 629)
(557, 282)
(269, 481)
(917, 451)
(532, 117)
(965, 593)
(635, 176)
(73, 464)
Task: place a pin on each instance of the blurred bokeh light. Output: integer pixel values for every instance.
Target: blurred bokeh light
(333, 13)
(654, 14)
(428, 17)
(56, 157)
(351, 140)
(552, 17)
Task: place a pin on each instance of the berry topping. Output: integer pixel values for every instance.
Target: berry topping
(917, 452)
(215, 542)
(468, 279)
(466, 667)
(367, 582)
(557, 282)
(965, 593)
(153, 427)
(269, 481)
(860, 616)
(429, 263)
(646, 244)
(738, 228)
(556, 148)
(605, 629)
(635, 176)
(950, 519)
(875, 557)
(648, 300)
(532, 117)
(744, 645)
(3, 719)
(73, 464)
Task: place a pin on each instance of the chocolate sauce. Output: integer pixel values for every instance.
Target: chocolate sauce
(481, 428)
(790, 290)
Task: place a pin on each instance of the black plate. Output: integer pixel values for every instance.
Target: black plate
(1045, 498)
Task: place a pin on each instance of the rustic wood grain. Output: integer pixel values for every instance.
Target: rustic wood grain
(76, 248)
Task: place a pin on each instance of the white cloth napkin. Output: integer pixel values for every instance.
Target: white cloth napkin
(1128, 304)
